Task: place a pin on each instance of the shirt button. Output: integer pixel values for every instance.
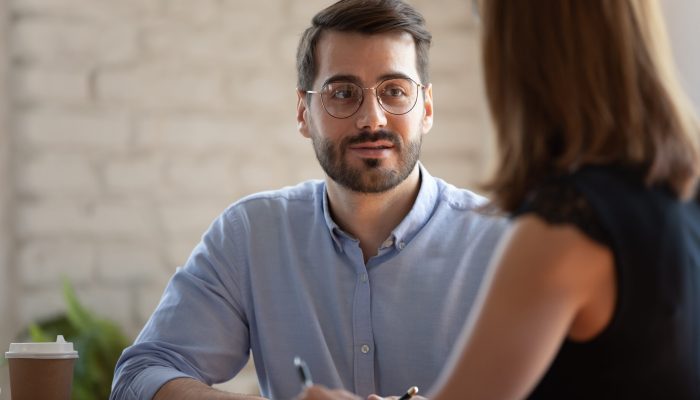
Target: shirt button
(364, 349)
(363, 277)
(388, 243)
(402, 245)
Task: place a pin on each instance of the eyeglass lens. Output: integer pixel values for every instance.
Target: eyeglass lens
(343, 99)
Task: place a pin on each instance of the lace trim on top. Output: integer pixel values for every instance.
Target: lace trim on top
(560, 203)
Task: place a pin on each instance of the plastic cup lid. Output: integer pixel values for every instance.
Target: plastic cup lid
(58, 349)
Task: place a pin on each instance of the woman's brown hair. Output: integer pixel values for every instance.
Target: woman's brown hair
(572, 82)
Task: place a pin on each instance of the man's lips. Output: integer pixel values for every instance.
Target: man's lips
(373, 145)
(378, 149)
(377, 145)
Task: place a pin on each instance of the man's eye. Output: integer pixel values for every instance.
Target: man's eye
(394, 91)
(343, 94)
(341, 91)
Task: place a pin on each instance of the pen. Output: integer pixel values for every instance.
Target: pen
(304, 373)
(412, 391)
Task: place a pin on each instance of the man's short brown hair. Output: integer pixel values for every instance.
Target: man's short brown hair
(367, 17)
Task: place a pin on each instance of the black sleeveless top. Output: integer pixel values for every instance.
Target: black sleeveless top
(651, 348)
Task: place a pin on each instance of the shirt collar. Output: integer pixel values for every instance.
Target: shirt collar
(420, 212)
(408, 228)
(333, 228)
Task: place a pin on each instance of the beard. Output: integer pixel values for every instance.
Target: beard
(373, 176)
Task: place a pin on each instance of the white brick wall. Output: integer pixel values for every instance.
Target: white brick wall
(162, 87)
(93, 131)
(42, 263)
(128, 263)
(42, 85)
(58, 218)
(200, 135)
(136, 122)
(72, 42)
(133, 174)
(58, 175)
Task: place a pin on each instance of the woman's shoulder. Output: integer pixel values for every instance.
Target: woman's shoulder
(560, 201)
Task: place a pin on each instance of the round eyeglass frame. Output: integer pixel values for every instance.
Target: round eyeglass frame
(376, 95)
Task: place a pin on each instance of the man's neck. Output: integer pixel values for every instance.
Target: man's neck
(371, 217)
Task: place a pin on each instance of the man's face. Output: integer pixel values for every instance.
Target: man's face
(373, 150)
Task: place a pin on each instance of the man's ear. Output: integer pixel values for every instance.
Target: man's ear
(427, 108)
(302, 114)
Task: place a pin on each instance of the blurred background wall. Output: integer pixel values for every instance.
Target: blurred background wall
(684, 30)
(126, 126)
(6, 315)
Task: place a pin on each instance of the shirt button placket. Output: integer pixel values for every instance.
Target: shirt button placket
(362, 326)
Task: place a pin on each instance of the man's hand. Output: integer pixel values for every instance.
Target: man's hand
(375, 397)
(319, 392)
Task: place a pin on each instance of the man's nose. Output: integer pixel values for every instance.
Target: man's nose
(371, 116)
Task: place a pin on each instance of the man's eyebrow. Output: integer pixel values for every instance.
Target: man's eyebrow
(354, 79)
(343, 78)
(394, 75)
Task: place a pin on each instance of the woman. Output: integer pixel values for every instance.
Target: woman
(595, 293)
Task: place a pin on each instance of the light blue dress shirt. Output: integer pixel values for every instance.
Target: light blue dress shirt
(275, 276)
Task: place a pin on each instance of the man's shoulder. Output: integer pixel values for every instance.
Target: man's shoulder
(459, 199)
(303, 194)
(466, 207)
(462, 216)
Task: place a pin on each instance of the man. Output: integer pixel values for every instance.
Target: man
(368, 276)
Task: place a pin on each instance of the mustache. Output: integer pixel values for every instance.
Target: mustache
(367, 136)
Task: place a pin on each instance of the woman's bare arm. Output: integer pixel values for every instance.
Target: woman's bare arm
(543, 279)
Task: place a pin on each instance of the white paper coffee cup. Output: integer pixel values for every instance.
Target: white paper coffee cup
(41, 370)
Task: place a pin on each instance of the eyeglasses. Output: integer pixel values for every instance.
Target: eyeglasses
(396, 96)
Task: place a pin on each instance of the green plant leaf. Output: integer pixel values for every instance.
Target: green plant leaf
(76, 313)
(37, 334)
(99, 343)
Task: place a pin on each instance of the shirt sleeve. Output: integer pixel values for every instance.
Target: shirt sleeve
(199, 329)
